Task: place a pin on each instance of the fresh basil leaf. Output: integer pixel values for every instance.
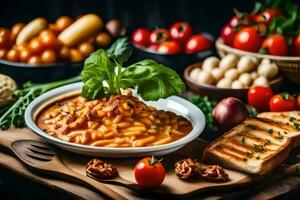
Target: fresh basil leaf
(92, 88)
(154, 80)
(97, 68)
(120, 50)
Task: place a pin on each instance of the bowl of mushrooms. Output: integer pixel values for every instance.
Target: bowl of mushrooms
(231, 76)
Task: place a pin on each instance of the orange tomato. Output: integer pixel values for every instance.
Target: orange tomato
(76, 55)
(64, 53)
(12, 55)
(35, 46)
(54, 29)
(34, 60)
(24, 54)
(48, 39)
(48, 56)
(15, 30)
(103, 39)
(86, 48)
(63, 22)
(5, 41)
(2, 53)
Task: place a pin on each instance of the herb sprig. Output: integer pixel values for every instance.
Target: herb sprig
(103, 74)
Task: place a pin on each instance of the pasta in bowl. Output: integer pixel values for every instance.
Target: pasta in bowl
(113, 126)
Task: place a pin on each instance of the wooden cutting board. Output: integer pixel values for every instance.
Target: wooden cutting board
(171, 185)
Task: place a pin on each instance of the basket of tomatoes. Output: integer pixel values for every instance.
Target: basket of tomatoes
(176, 46)
(270, 31)
(29, 51)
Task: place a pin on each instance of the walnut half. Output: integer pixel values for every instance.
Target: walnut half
(186, 168)
(100, 169)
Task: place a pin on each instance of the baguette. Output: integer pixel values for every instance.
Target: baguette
(83, 28)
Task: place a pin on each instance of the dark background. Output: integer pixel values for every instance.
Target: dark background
(208, 16)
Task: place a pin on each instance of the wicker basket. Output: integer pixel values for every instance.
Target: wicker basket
(289, 65)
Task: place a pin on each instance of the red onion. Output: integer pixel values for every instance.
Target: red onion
(229, 112)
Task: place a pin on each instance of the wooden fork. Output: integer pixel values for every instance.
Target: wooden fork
(40, 156)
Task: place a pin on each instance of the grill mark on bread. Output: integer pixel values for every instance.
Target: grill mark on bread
(225, 152)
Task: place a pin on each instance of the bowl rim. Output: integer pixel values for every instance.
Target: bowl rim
(187, 78)
(42, 65)
(208, 35)
(220, 45)
(198, 125)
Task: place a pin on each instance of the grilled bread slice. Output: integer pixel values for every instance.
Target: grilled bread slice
(291, 118)
(255, 146)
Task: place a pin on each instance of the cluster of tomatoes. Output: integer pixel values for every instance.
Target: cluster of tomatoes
(45, 47)
(263, 99)
(179, 38)
(250, 32)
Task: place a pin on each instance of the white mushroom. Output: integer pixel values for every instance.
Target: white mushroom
(228, 61)
(217, 73)
(261, 80)
(194, 74)
(232, 74)
(268, 70)
(265, 61)
(254, 75)
(224, 83)
(205, 78)
(245, 79)
(210, 63)
(237, 85)
(246, 64)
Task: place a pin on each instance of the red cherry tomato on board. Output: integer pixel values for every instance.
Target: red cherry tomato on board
(169, 47)
(247, 39)
(298, 101)
(267, 16)
(149, 172)
(259, 97)
(296, 46)
(227, 34)
(181, 31)
(282, 102)
(275, 45)
(198, 43)
(159, 35)
(141, 37)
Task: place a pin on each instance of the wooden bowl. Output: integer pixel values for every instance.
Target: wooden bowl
(288, 64)
(220, 93)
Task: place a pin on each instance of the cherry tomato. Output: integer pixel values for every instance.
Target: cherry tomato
(35, 46)
(86, 48)
(169, 47)
(247, 39)
(12, 55)
(228, 34)
(103, 39)
(181, 31)
(159, 35)
(141, 37)
(275, 45)
(63, 22)
(296, 46)
(235, 21)
(76, 55)
(48, 39)
(24, 54)
(259, 97)
(34, 60)
(149, 172)
(2, 53)
(5, 40)
(15, 30)
(298, 101)
(48, 56)
(198, 43)
(64, 53)
(153, 47)
(282, 102)
(267, 16)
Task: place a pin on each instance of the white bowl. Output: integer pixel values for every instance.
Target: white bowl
(175, 104)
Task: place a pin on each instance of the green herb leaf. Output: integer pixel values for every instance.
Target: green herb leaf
(120, 50)
(154, 80)
(93, 88)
